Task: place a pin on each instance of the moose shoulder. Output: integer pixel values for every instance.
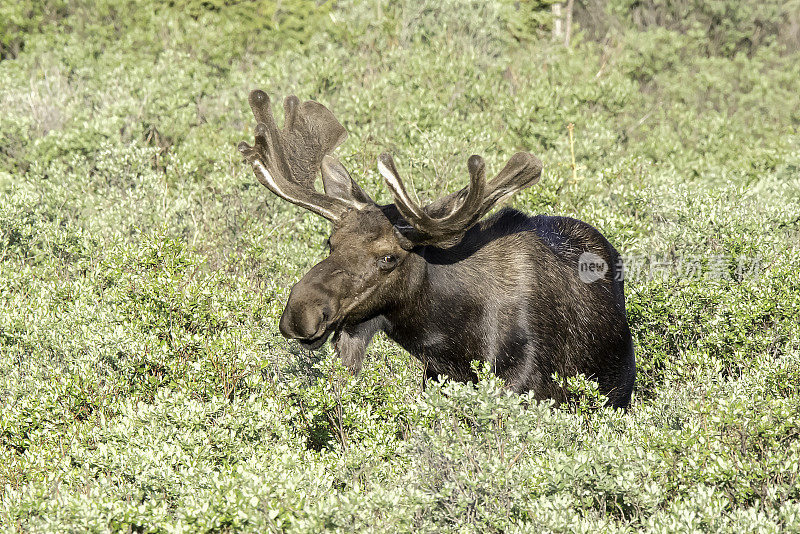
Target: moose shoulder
(446, 286)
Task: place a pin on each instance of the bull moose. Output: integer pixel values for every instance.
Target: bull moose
(445, 285)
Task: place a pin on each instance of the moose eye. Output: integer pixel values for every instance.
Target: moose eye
(387, 262)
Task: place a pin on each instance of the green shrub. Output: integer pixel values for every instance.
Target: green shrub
(18, 20)
(718, 27)
(144, 385)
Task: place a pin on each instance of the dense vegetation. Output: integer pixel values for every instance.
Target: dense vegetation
(144, 385)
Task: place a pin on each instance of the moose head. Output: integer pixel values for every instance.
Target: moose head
(370, 266)
(391, 266)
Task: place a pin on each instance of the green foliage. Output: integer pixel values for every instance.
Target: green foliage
(717, 27)
(296, 20)
(530, 19)
(18, 20)
(144, 385)
(584, 397)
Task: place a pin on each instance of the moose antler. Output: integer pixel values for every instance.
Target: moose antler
(287, 161)
(454, 214)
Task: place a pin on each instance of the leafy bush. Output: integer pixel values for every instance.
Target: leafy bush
(718, 27)
(144, 385)
(18, 20)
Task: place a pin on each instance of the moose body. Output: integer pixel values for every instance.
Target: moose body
(446, 286)
(509, 294)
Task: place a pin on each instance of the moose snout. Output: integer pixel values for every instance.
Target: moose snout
(307, 315)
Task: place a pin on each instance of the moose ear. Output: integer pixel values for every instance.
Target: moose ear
(409, 237)
(338, 184)
(405, 236)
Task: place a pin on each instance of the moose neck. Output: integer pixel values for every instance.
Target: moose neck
(432, 308)
(415, 289)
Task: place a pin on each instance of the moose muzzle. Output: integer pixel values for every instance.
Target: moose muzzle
(312, 309)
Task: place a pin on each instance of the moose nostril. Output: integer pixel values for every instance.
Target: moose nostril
(326, 314)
